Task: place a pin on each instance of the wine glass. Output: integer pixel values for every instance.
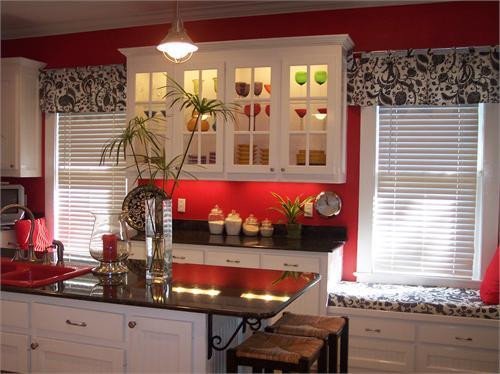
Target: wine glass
(301, 113)
(301, 77)
(320, 77)
(242, 89)
(268, 110)
(248, 113)
(268, 88)
(257, 88)
(215, 84)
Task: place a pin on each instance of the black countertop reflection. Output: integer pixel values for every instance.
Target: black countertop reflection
(314, 238)
(131, 289)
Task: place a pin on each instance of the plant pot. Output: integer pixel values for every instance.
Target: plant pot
(293, 230)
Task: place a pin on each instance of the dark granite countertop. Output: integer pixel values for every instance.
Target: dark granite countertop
(314, 238)
(131, 289)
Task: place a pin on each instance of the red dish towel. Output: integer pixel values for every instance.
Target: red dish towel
(41, 236)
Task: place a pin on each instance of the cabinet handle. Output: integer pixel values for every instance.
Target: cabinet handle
(34, 345)
(373, 330)
(232, 261)
(79, 324)
(282, 169)
(463, 339)
(179, 257)
(132, 324)
(291, 265)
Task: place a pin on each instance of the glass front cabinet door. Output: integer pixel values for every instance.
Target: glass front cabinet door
(202, 135)
(251, 138)
(313, 117)
(148, 102)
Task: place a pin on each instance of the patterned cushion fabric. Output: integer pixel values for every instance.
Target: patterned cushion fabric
(277, 347)
(459, 302)
(304, 325)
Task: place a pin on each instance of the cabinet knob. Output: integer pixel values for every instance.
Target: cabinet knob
(132, 324)
(282, 169)
(34, 346)
(271, 169)
(11, 166)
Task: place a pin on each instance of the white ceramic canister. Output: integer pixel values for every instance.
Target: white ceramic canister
(233, 223)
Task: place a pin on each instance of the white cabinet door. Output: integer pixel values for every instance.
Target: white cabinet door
(21, 130)
(441, 358)
(160, 345)
(14, 352)
(59, 356)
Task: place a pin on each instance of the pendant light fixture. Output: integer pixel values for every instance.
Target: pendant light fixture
(177, 46)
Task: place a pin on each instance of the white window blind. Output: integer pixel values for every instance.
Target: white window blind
(425, 198)
(82, 186)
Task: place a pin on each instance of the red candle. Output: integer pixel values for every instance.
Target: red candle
(109, 247)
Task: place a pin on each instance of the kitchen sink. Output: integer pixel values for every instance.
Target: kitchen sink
(25, 274)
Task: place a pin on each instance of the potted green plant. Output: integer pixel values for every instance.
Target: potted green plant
(148, 154)
(292, 210)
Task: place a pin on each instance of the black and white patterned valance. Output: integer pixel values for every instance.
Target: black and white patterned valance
(84, 89)
(434, 77)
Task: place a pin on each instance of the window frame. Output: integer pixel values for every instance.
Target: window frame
(488, 189)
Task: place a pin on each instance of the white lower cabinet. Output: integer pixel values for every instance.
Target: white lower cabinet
(47, 334)
(414, 342)
(62, 356)
(14, 352)
(151, 339)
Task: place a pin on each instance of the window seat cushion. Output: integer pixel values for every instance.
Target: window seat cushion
(458, 302)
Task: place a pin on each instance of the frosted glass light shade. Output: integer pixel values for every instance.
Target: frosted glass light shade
(177, 46)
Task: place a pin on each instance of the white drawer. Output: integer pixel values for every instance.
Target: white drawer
(14, 314)
(384, 329)
(242, 260)
(468, 336)
(292, 263)
(95, 324)
(188, 256)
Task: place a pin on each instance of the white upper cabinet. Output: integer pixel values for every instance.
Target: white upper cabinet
(291, 125)
(21, 126)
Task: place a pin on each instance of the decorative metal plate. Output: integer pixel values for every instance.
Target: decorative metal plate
(134, 202)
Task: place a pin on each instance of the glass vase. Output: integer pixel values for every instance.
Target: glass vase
(109, 243)
(158, 232)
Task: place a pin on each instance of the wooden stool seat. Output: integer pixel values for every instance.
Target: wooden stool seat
(275, 351)
(303, 325)
(328, 328)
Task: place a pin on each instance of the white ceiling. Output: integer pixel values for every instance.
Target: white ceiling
(20, 19)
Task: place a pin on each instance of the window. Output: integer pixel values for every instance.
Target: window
(422, 194)
(81, 185)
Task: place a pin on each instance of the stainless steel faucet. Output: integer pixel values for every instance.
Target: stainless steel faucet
(31, 245)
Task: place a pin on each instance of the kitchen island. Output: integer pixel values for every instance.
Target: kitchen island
(91, 324)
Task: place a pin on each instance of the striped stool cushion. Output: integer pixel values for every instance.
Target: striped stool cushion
(304, 325)
(280, 348)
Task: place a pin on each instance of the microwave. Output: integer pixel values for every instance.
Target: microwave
(12, 194)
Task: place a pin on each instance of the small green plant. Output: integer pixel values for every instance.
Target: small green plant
(291, 209)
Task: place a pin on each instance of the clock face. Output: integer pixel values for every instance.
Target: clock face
(328, 204)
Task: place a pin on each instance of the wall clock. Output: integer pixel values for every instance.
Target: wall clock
(328, 204)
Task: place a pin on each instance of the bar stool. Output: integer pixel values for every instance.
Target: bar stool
(329, 329)
(266, 351)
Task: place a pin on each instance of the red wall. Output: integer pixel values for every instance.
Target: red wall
(451, 24)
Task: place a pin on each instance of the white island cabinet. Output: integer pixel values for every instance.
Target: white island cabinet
(48, 334)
